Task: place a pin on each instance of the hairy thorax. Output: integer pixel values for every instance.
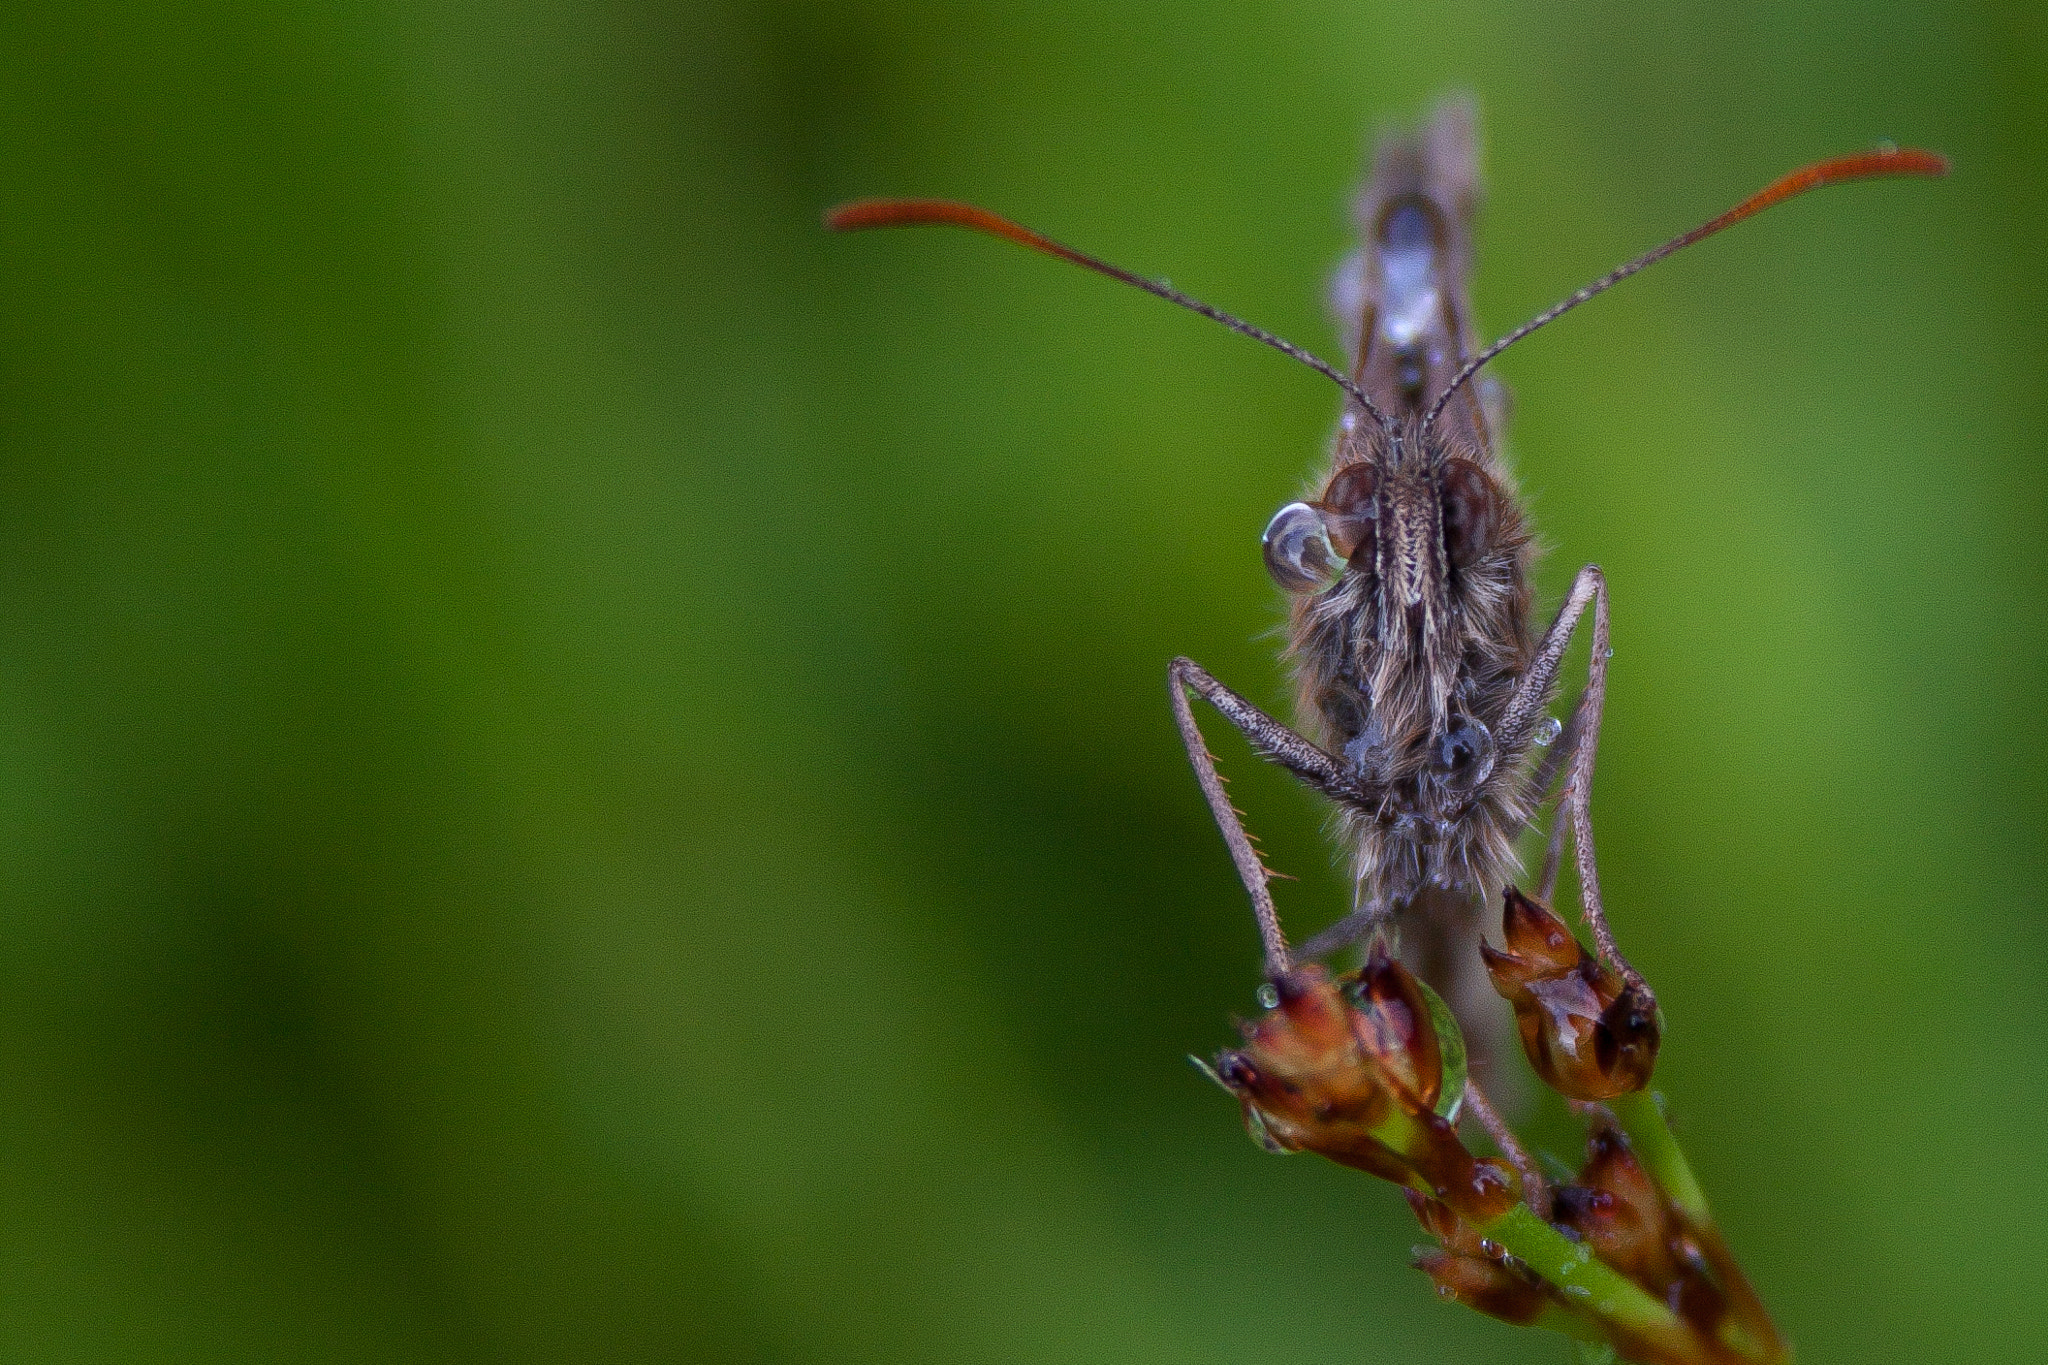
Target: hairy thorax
(1406, 664)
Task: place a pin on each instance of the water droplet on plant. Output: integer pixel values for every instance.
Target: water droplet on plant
(1607, 653)
(1269, 996)
(1547, 730)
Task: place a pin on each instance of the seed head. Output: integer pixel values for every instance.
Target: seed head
(1587, 1032)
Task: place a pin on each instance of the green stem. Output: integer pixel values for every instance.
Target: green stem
(1642, 1118)
(1750, 1332)
(1588, 1283)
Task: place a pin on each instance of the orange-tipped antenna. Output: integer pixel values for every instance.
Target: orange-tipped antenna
(1885, 161)
(874, 213)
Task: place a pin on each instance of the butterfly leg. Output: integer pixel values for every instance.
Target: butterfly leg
(1588, 590)
(1362, 923)
(1544, 778)
(1272, 741)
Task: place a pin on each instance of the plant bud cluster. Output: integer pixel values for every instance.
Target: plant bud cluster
(1367, 1069)
(1352, 1069)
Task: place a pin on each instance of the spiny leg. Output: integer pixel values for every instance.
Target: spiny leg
(1279, 744)
(1560, 756)
(1251, 868)
(1589, 589)
(1532, 694)
(1272, 741)
(1269, 738)
(1540, 783)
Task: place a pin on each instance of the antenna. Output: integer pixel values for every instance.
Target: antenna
(1885, 161)
(874, 213)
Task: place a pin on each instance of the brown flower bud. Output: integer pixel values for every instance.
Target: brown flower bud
(1393, 1025)
(1438, 1220)
(1618, 1211)
(1588, 1033)
(1616, 1231)
(1471, 1269)
(1495, 1289)
(1353, 1070)
(1613, 1169)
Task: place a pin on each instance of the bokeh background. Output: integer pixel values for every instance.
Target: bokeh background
(584, 769)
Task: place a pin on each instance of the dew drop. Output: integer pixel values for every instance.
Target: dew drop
(1546, 732)
(1298, 551)
(1269, 996)
(1607, 653)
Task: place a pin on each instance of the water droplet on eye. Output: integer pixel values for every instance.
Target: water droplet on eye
(1546, 732)
(1298, 551)
(1269, 996)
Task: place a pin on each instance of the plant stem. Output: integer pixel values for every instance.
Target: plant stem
(1587, 1281)
(1642, 1118)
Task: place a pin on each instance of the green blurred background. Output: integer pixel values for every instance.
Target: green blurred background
(584, 769)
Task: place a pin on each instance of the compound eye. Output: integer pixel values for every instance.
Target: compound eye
(1299, 554)
(1470, 512)
(1351, 509)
